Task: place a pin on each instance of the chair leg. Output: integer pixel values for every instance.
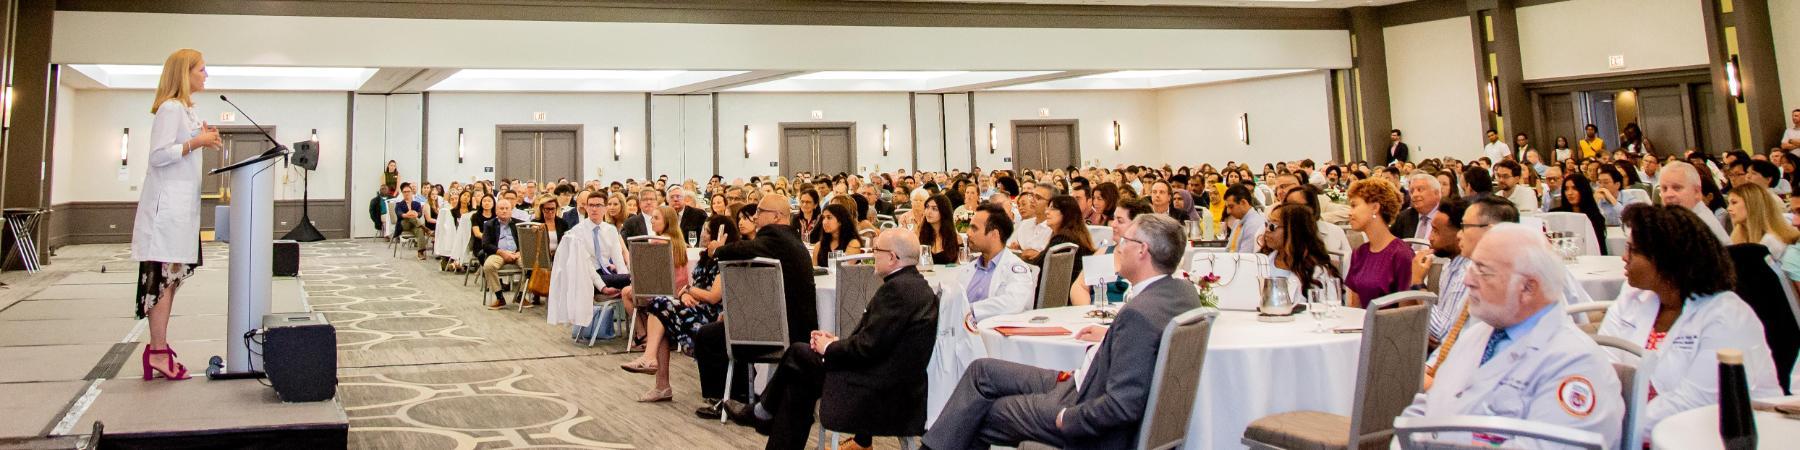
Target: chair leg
(723, 398)
(909, 442)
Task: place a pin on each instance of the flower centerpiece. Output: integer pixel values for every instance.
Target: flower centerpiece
(1336, 194)
(1208, 298)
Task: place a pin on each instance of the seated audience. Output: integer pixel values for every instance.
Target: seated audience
(1293, 245)
(1756, 218)
(837, 233)
(502, 248)
(1383, 264)
(661, 223)
(999, 283)
(412, 217)
(774, 240)
(1244, 220)
(1681, 186)
(806, 221)
(1513, 185)
(1063, 217)
(1679, 304)
(1337, 243)
(1578, 197)
(939, 232)
(1102, 404)
(589, 260)
(692, 307)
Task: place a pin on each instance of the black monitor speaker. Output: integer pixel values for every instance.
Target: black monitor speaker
(300, 356)
(306, 155)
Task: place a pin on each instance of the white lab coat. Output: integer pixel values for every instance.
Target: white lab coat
(1010, 289)
(573, 275)
(452, 238)
(1337, 242)
(1684, 369)
(167, 227)
(1534, 378)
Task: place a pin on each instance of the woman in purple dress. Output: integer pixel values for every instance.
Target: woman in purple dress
(1382, 265)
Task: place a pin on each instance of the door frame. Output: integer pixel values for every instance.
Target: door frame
(1681, 77)
(1074, 138)
(783, 127)
(225, 178)
(500, 142)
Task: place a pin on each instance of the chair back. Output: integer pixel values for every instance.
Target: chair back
(1434, 276)
(884, 221)
(756, 301)
(1576, 223)
(1761, 285)
(1393, 350)
(1634, 389)
(1588, 316)
(1406, 427)
(531, 244)
(1633, 197)
(856, 286)
(1057, 275)
(652, 266)
(1176, 380)
(1100, 233)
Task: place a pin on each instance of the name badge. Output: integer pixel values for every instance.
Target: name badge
(1688, 342)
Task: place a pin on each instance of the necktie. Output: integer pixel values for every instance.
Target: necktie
(1236, 232)
(1424, 227)
(599, 261)
(1493, 344)
(1449, 341)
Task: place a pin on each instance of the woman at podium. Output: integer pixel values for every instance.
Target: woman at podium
(165, 237)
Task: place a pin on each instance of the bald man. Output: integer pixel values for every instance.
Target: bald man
(776, 240)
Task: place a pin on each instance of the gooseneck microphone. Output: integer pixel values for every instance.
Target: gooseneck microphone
(278, 147)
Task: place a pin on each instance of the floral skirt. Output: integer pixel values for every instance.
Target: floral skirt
(154, 277)
(681, 321)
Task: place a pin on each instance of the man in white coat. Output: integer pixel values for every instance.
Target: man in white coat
(999, 283)
(1535, 364)
(589, 253)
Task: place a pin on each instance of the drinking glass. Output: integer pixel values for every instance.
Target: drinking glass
(1318, 307)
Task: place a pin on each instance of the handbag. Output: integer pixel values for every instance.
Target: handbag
(540, 276)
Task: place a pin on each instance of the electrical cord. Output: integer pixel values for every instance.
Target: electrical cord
(249, 338)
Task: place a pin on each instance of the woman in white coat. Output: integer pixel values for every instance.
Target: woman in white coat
(1680, 308)
(165, 237)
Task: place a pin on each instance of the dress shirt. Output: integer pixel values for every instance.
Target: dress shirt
(978, 283)
(506, 241)
(1451, 296)
(1523, 328)
(1094, 348)
(1423, 229)
(1031, 234)
(1496, 151)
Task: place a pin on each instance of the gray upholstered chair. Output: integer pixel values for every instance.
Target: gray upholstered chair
(856, 285)
(1057, 275)
(1592, 313)
(1176, 382)
(512, 271)
(534, 248)
(1389, 372)
(755, 313)
(652, 275)
(1634, 389)
(1406, 427)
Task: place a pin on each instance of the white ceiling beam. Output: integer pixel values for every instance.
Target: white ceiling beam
(723, 83)
(79, 80)
(404, 80)
(1015, 81)
(424, 80)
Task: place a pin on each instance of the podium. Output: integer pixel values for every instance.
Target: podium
(252, 235)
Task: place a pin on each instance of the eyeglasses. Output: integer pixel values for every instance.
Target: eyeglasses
(1467, 225)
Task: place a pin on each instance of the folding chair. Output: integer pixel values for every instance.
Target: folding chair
(755, 314)
(1174, 385)
(1057, 276)
(652, 275)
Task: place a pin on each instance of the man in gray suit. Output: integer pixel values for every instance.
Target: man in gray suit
(1100, 405)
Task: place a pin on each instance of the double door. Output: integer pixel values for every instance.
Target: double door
(238, 143)
(1044, 146)
(539, 155)
(820, 149)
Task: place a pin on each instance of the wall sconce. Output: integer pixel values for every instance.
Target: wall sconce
(124, 146)
(1243, 128)
(1118, 138)
(615, 143)
(1493, 96)
(9, 105)
(884, 140)
(746, 141)
(1733, 83)
(459, 146)
(993, 138)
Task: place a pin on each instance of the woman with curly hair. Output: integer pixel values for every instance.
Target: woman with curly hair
(1679, 304)
(1383, 264)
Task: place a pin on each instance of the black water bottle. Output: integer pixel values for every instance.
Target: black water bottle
(1737, 425)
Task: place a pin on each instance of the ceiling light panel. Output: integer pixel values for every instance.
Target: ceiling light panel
(116, 76)
(888, 81)
(574, 80)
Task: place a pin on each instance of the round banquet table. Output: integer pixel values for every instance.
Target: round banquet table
(1698, 429)
(1253, 369)
(1601, 276)
(1615, 241)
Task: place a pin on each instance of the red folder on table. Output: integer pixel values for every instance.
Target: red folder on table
(1031, 331)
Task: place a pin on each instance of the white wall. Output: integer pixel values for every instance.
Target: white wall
(1094, 112)
(1574, 38)
(1787, 49)
(765, 112)
(1290, 119)
(1431, 88)
(479, 115)
(681, 144)
(930, 132)
(88, 142)
(62, 180)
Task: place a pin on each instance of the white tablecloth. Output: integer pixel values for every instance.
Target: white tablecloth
(1698, 429)
(1615, 241)
(1253, 369)
(1601, 276)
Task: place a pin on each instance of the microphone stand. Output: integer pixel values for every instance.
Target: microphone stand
(305, 231)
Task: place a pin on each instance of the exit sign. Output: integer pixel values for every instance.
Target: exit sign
(1615, 62)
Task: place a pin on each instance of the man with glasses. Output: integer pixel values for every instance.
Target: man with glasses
(1553, 187)
(639, 224)
(1100, 405)
(775, 239)
(590, 258)
(499, 247)
(1508, 174)
(873, 379)
(1526, 359)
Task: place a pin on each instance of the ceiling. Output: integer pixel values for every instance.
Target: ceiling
(1249, 3)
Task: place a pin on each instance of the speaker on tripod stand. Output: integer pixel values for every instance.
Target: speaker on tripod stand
(305, 155)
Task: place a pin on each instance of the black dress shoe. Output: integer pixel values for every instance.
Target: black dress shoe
(709, 412)
(742, 414)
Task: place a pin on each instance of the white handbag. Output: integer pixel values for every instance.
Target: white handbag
(1240, 277)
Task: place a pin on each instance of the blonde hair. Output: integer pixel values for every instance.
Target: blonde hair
(175, 82)
(672, 230)
(1761, 216)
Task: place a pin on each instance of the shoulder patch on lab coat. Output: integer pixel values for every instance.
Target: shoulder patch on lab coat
(1018, 268)
(1576, 395)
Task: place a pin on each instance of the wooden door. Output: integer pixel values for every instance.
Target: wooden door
(1560, 121)
(832, 146)
(1044, 146)
(518, 155)
(557, 156)
(797, 151)
(1662, 116)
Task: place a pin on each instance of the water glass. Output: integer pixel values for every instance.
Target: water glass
(1319, 308)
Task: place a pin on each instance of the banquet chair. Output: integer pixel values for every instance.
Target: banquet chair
(755, 314)
(531, 250)
(1056, 277)
(1393, 350)
(1561, 436)
(511, 271)
(398, 238)
(648, 254)
(1576, 223)
(1760, 284)
(1633, 388)
(1594, 312)
(1174, 384)
(856, 285)
(884, 221)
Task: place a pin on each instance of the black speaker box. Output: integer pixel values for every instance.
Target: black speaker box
(305, 155)
(300, 356)
(286, 262)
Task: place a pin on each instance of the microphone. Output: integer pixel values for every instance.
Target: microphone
(259, 128)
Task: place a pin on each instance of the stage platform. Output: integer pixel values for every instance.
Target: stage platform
(69, 356)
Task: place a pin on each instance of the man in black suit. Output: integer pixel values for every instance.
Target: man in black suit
(1397, 151)
(499, 247)
(639, 224)
(1102, 404)
(690, 217)
(775, 240)
(1424, 193)
(875, 376)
